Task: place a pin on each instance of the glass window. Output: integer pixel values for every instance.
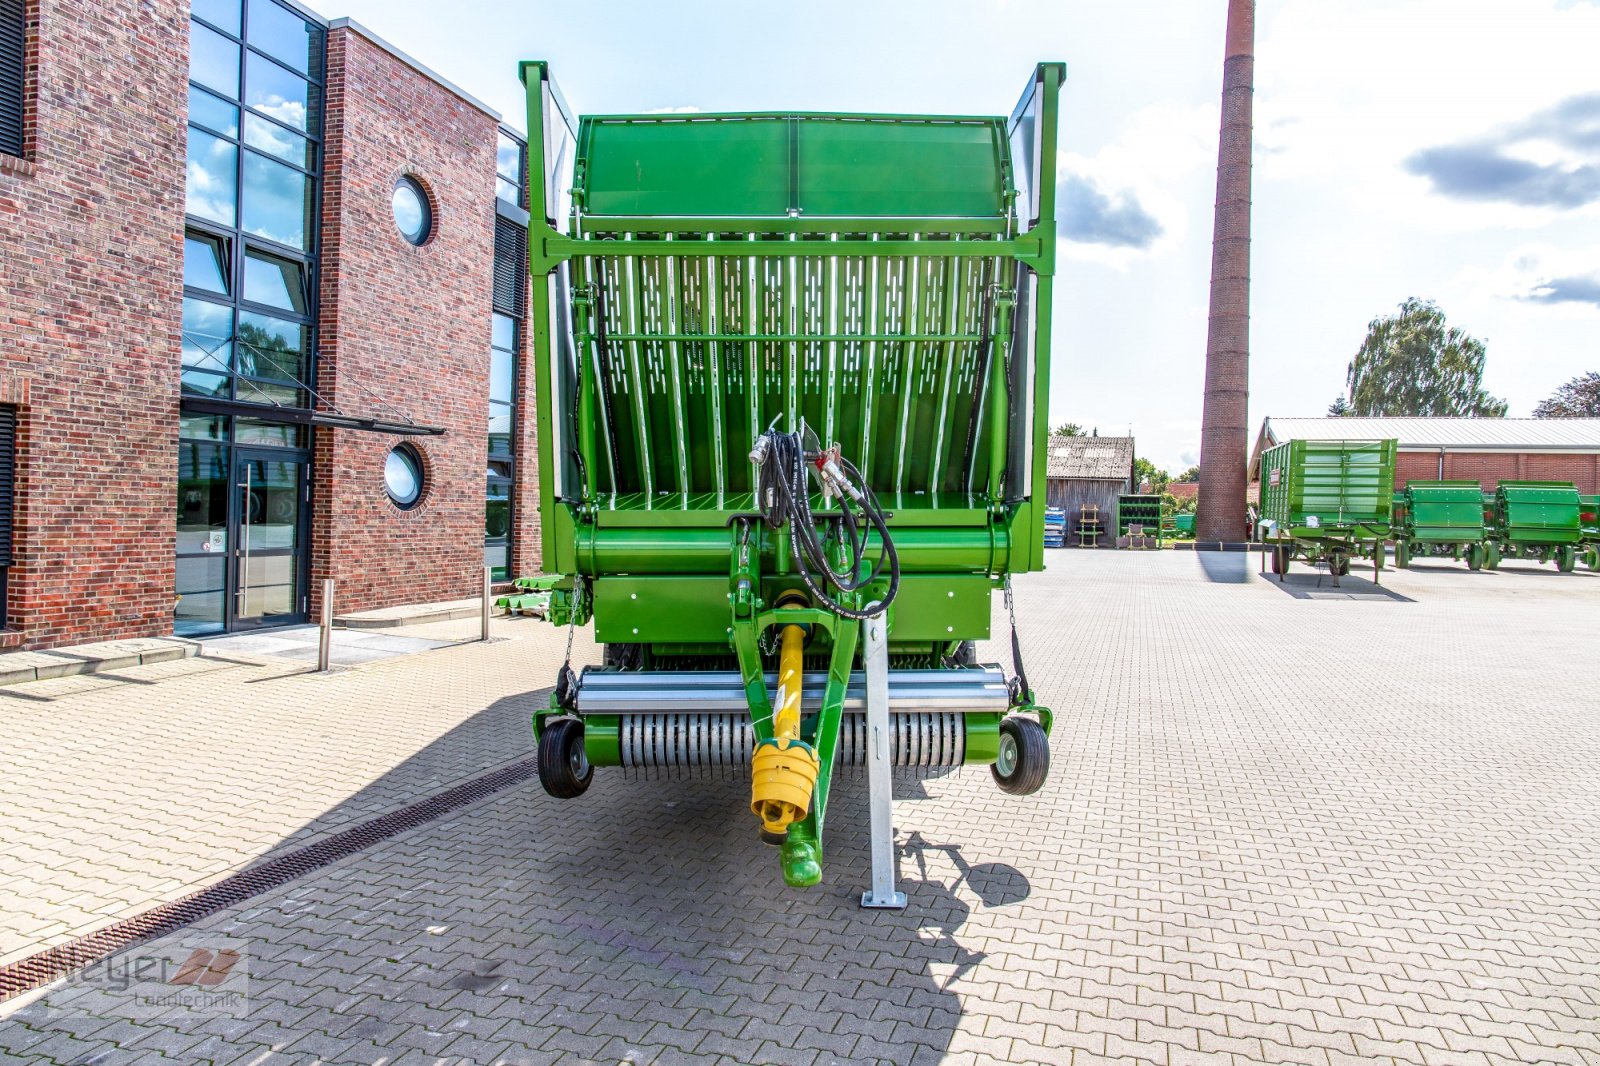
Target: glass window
(277, 201)
(273, 281)
(502, 375)
(503, 333)
(497, 517)
(402, 476)
(271, 348)
(276, 434)
(282, 94)
(202, 541)
(219, 115)
(411, 212)
(508, 169)
(211, 183)
(203, 427)
(223, 14)
(284, 35)
(264, 392)
(499, 429)
(497, 558)
(207, 335)
(205, 262)
(275, 140)
(213, 60)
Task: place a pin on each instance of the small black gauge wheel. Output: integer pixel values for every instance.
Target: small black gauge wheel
(1023, 761)
(564, 768)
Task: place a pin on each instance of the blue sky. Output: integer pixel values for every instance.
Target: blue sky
(1445, 149)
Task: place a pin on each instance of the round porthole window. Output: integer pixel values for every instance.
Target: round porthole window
(402, 476)
(412, 214)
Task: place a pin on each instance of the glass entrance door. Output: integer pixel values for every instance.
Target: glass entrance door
(269, 512)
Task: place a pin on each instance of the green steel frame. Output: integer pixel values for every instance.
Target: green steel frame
(886, 280)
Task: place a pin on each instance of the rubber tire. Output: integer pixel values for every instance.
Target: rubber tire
(564, 770)
(1280, 559)
(1566, 558)
(622, 656)
(1474, 557)
(1491, 557)
(1033, 757)
(1591, 558)
(966, 654)
(1402, 554)
(1339, 565)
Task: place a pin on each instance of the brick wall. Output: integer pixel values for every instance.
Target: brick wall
(1493, 467)
(91, 256)
(403, 328)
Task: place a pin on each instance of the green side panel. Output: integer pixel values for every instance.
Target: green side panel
(983, 738)
(899, 168)
(1539, 512)
(664, 609)
(800, 165)
(660, 166)
(602, 739)
(1589, 516)
(1444, 511)
(1329, 485)
(942, 607)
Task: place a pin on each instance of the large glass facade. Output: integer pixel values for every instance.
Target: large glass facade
(505, 337)
(249, 283)
(502, 454)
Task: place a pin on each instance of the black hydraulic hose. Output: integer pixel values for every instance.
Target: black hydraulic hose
(783, 493)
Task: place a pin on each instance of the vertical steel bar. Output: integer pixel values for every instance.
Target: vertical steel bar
(483, 620)
(830, 315)
(880, 784)
(641, 430)
(955, 276)
(671, 266)
(713, 304)
(752, 380)
(791, 326)
(869, 369)
(325, 636)
(911, 322)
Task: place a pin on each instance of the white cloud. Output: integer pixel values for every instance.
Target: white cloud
(689, 109)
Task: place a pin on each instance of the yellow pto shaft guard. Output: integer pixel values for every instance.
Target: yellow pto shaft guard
(784, 768)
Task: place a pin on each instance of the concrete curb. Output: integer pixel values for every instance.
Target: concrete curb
(19, 667)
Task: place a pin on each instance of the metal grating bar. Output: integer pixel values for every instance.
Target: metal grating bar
(671, 316)
(713, 323)
(641, 430)
(41, 968)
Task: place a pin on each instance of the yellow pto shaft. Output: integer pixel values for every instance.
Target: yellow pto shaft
(784, 768)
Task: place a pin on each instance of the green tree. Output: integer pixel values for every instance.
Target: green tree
(1340, 407)
(1191, 474)
(1414, 363)
(1578, 398)
(1068, 429)
(1144, 470)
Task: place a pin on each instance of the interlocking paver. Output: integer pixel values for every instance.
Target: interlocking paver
(1282, 825)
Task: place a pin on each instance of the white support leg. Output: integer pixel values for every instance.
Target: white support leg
(880, 787)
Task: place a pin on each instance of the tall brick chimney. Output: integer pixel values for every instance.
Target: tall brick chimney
(1224, 434)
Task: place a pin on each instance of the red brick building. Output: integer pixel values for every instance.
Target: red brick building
(1487, 450)
(262, 323)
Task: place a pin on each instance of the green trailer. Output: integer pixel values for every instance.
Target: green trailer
(1440, 518)
(793, 381)
(1589, 520)
(1537, 520)
(1326, 502)
(1142, 511)
(1183, 525)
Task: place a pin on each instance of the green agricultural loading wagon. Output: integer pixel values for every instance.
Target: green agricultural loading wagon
(793, 373)
(1589, 520)
(1536, 520)
(1326, 501)
(1440, 518)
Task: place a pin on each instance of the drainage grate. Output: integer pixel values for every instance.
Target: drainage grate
(41, 968)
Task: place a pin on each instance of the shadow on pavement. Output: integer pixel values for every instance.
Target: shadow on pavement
(1319, 586)
(612, 927)
(1226, 568)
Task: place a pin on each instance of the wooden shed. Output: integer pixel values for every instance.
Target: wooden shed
(1089, 471)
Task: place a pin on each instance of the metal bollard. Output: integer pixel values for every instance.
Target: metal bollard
(488, 579)
(325, 641)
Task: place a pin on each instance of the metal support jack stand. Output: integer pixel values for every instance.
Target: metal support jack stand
(880, 785)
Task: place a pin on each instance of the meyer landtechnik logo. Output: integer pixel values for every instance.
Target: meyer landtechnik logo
(210, 975)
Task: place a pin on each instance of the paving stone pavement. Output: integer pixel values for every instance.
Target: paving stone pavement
(1285, 823)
